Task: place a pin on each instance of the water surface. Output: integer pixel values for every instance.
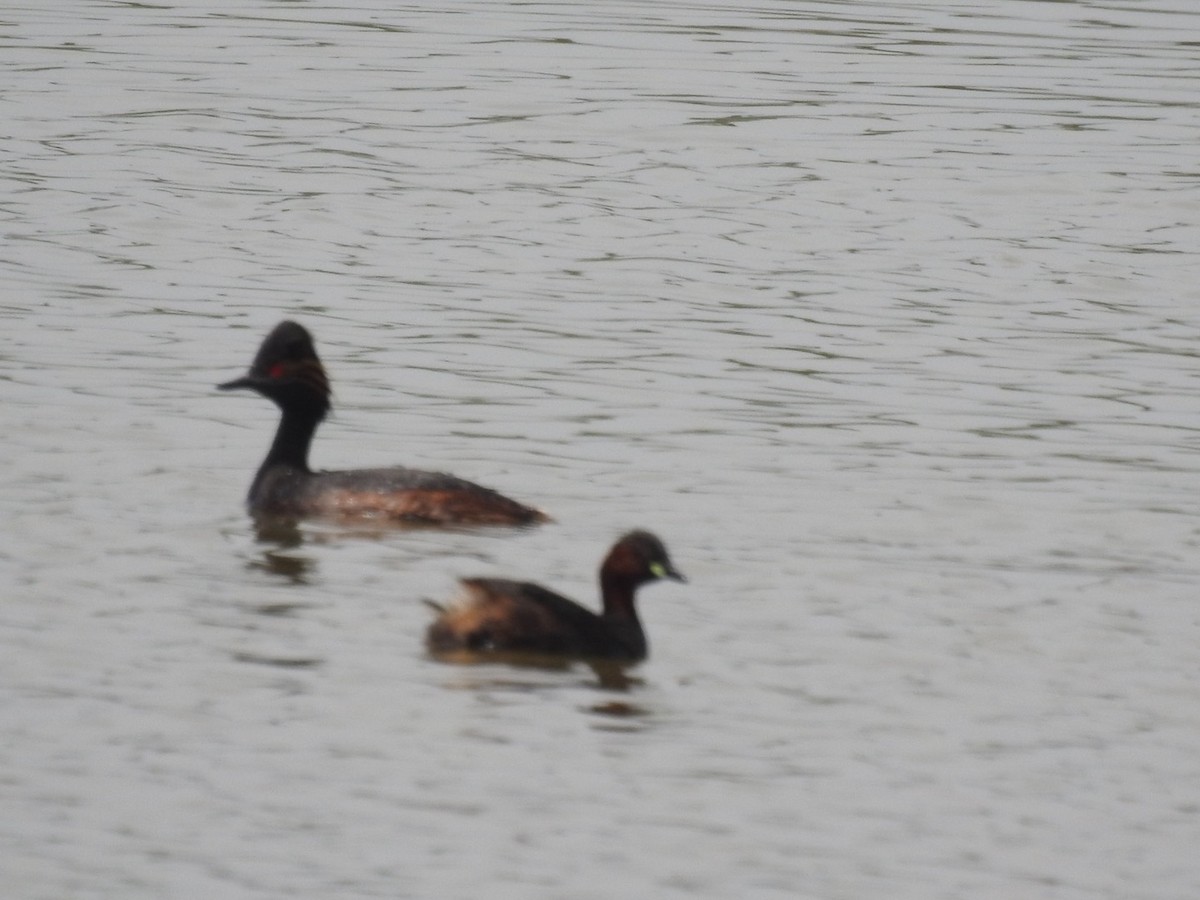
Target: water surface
(883, 316)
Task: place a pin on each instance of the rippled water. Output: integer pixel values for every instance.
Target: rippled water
(884, 316)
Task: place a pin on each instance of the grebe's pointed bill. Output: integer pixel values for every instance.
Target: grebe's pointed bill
(666, 570)
(246, 381)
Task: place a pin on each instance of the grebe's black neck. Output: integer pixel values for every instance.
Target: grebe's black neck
(293, 437)
(289, 449)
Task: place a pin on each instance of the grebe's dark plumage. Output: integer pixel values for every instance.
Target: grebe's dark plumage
(496, 615)
(288, 371)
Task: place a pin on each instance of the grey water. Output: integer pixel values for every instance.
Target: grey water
(884, 316)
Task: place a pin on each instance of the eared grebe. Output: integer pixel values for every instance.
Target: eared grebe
(495, 615)
(288, 371)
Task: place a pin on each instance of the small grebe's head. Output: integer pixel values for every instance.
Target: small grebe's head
(287, 370)
(639, 557)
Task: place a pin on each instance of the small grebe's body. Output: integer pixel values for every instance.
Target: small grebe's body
(288, 371)
(500, 616)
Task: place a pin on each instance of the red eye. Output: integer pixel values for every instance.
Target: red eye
(278, 370)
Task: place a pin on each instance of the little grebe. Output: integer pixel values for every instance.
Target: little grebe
(501, 616)
(288, 371)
